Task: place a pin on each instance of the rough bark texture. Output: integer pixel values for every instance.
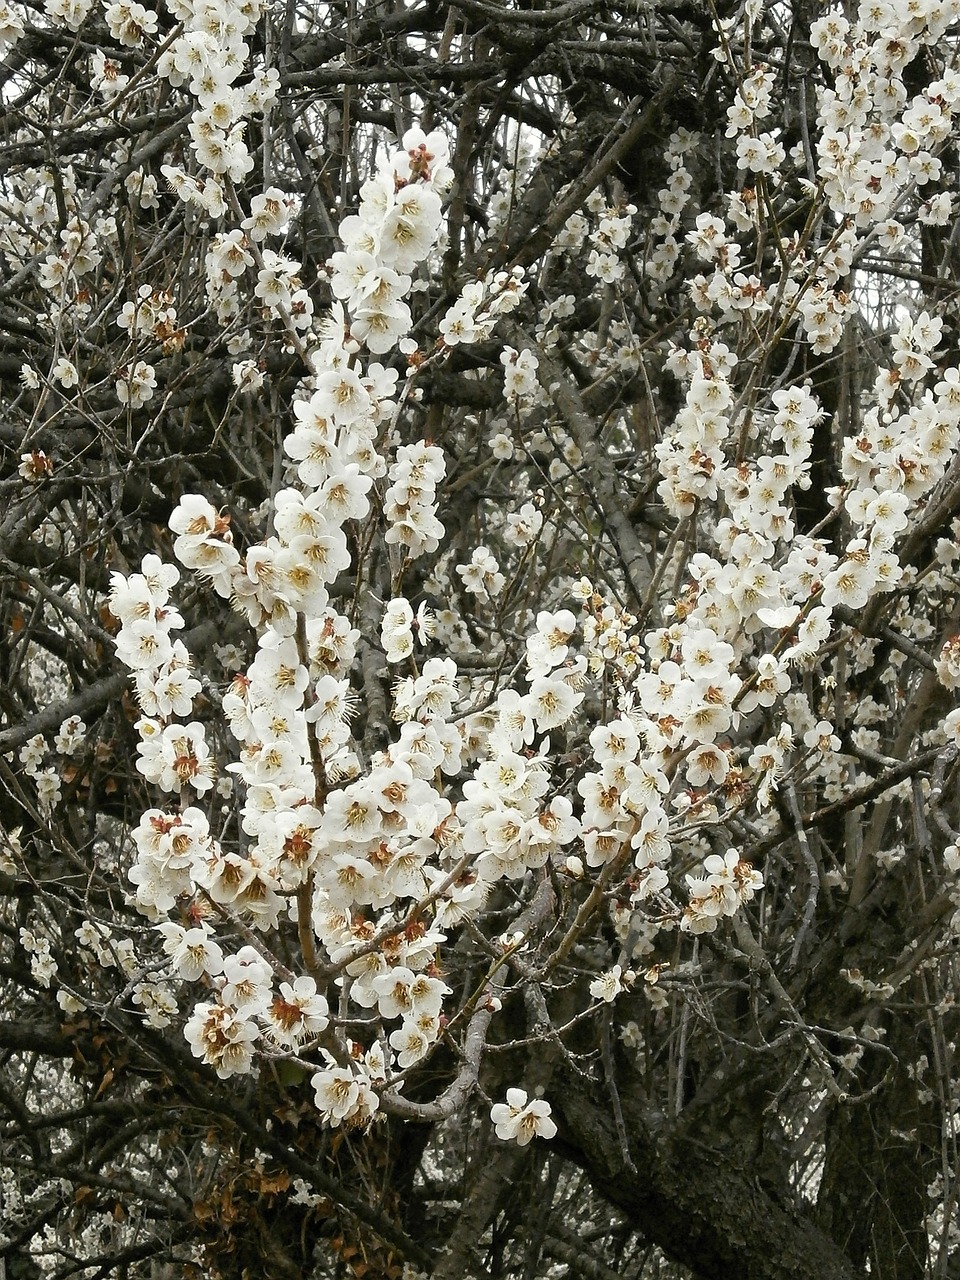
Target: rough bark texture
(699, 1206)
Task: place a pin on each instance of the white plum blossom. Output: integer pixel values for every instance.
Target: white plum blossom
(610, 984)
(344, 1096)
(482, 576)
(136, 384)
(520, 1121)
(297, 1012)
(222, 1037)
(65, 372)
(192, 952)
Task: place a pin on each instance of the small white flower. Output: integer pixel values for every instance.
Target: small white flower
(520, 1120)
(136, 384)
(65, 372)
(35, 466)
(396, 630)
(501, 446)
(70, 736)
(610, 984)
(247, 376)
(69, 1003)
(822, 737)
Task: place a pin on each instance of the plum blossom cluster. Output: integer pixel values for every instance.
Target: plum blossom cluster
(764, 575)
(149, 991)
(609, 985)
(687, 704)
(150, 315)
(338, 861)
(410, 501)
(607, 241)
(948, 663)
(609, 635)
(520, 375)
(521, 528)
(11, 26)
(207, 57)
(727, 290)
(224, 1032)
(400, 625)
(901, 452)
(69, 739)
(759, 150)
(43, 963)
(173, 756)
(394, 230)
(482, 576)
(508, 820)
(877, 151)
(710, 668)
(663, 252)
(346, 1094)
(73, 253)
(46, 779)
(136, 384)
(367, 855)
(481, 303)
(727, 882)
(883, 142)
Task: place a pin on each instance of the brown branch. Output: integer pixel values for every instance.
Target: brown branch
(95, 698)
(21, 1037)
(529, 240)
(852, 800)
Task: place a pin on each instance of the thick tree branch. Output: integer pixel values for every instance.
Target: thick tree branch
(702, 1209)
